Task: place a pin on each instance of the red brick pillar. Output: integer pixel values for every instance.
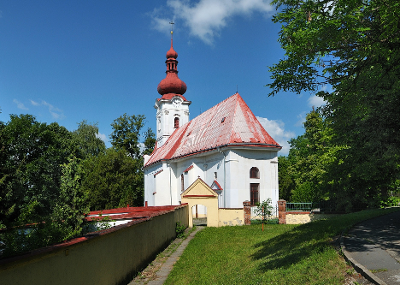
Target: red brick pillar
(247, 212)
(282, 211)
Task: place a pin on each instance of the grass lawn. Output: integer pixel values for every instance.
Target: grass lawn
(281, 254)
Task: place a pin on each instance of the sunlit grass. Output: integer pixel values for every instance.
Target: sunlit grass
(281, 254)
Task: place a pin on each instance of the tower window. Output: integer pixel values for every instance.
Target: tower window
(176, 123)
(254, 172)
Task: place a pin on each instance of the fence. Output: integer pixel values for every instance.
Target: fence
(274, 213)
(322, 207)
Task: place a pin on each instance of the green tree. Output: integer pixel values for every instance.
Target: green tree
(355, 48)
(310, 160)
(87, 139)
(30, 170)
(126, 134)
(113, 180)
(39, 184)
(286, 181)
(72, 203)
(149, 142)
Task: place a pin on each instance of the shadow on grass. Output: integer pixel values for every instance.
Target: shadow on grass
(306, 240)
(291, 247)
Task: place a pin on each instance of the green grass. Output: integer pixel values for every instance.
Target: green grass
(281, 254)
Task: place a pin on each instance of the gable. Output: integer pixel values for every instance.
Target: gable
(199, 189)
(216, 186)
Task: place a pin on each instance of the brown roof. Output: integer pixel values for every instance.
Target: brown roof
(229, 123)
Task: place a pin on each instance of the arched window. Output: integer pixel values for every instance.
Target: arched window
(254, 172)
(176, 123)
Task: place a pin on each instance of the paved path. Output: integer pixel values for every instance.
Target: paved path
(162, 274)
(373, 247)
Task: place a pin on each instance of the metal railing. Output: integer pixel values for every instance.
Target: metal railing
(299, 207)
(322, 206)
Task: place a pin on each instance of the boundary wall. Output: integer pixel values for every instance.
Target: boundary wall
(301, 217)
(111, 256)
(305, 217)
(230, 217)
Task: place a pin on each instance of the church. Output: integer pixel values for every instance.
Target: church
(226, 147)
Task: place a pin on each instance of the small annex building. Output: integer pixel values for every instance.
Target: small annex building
(225, 146)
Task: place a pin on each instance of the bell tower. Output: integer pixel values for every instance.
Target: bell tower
(172, 107)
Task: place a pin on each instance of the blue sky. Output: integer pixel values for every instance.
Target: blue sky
(68, 61)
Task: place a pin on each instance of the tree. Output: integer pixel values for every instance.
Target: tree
(306, 172)
(149, 142)
(30, 170)
(355, 48)
(39, 184)
(310, 156)
(264, 209)
(72, 203)
(286, 182)
(113, 180)
(126, 134)
(87, 139)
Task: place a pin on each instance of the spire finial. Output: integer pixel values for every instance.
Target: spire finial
(172, 29)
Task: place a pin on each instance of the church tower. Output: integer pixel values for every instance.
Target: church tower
(172, 107)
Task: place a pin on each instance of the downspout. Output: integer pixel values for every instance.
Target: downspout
(224, 175)
(170, 183)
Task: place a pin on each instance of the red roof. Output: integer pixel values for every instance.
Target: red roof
(217, 186)
(230, 123)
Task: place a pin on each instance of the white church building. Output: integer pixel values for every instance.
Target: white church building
(225, 146)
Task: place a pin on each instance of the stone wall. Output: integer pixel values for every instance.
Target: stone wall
(304, 217)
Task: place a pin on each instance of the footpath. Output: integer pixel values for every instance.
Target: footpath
(373, 247)
(157, 272)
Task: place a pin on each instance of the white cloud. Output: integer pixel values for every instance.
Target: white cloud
(315, 101)
(277, 132)
(103, 137)
(20, 105)
(206, 18)
(34, 103)
(54, 111)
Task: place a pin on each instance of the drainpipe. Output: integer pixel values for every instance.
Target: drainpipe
(224, 175)
(170, 182)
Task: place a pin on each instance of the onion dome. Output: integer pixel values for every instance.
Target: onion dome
(171, 84)
(172, 53)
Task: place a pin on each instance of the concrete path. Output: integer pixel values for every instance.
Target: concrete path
(373, 247)
(162, 273)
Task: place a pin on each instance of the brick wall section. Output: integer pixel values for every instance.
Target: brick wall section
(247, 212)
(282, 211)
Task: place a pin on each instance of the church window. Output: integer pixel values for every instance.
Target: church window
(176, 123)
(254, 172)
(215, 175)
(254, 193)
(182, 182)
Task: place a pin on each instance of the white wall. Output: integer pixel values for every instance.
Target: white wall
(166, 112)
